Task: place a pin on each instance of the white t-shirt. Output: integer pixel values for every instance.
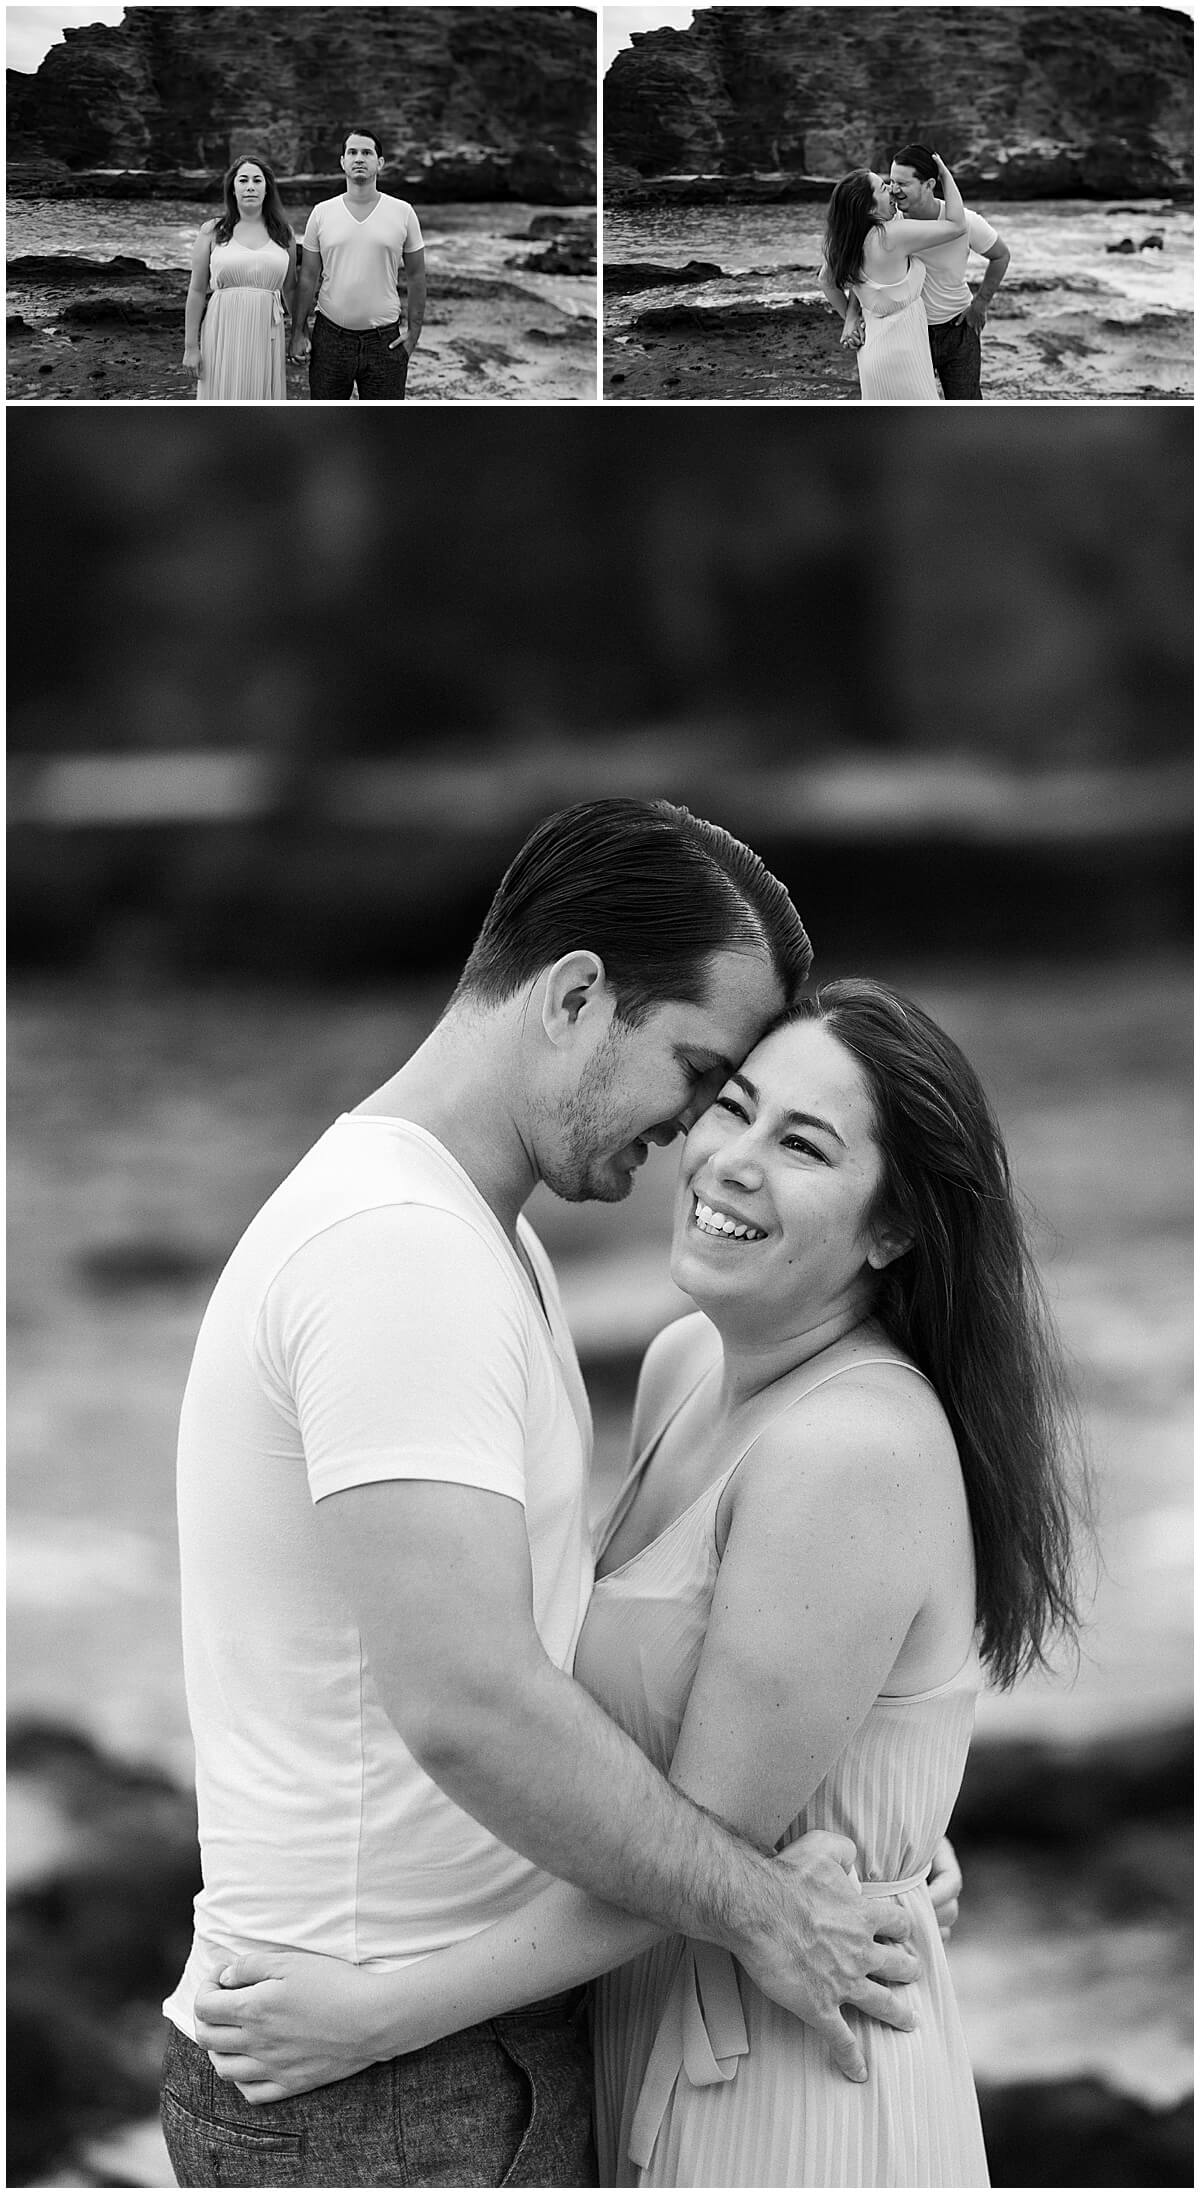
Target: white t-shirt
(373, 1323)
(947, 291)
(361, 260)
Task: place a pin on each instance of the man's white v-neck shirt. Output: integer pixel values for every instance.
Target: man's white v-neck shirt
(361, 261)
(374, 1322)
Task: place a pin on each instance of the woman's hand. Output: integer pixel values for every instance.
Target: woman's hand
(191, 359)
(290, 2020)
(945, 1886)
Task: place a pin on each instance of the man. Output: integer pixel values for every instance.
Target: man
(382, 1487)
(353, 249)
(957, 316)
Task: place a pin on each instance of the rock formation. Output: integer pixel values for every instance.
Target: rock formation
(1025, 101)
(481, 102)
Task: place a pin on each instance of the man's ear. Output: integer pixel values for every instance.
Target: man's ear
(574, 993)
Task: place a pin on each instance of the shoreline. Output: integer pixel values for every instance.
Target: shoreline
(87, 330)
(623, 194)
(548, 180)
(1038, 346)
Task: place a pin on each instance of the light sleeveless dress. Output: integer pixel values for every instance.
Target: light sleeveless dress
(894, 362)
(701, 2081)
(242, 334)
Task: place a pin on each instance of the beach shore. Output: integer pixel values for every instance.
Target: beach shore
(86, 330)
(1041, 344)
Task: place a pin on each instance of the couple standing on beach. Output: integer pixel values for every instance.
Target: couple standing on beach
(895, 266)
(246, 285)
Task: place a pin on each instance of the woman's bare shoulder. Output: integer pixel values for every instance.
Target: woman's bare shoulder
(875, 1431)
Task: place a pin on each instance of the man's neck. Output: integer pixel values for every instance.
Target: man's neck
(931, 212)
(442, 1089)
(363, 195)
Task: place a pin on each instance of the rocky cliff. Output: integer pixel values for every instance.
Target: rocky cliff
(474, 102)
(1025, 101)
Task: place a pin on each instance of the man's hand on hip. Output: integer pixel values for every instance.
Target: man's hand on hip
(975, 315)
(406, 343)
(827, 1944)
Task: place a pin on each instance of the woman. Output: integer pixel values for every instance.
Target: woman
(849, 1496)
(868, 275)
(244, 270)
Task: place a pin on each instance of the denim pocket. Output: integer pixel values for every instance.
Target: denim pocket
(208, 2152)
(557, 2147)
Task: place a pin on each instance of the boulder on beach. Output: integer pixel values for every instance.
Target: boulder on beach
(745, 319)
(635, 274)
(567, 247)
(71, 267)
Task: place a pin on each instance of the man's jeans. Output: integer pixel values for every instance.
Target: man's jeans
(508, 2103)
(342, 356)
(956, 361)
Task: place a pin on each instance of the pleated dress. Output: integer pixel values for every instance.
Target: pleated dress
(894, 361)
(242, 334)
(701, 2081)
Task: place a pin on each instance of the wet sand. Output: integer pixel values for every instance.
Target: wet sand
(1036, 348)
(82, 330)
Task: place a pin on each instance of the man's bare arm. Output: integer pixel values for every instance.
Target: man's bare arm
(437, 1576)
(307, 283)
(998, 258)
(414, 269)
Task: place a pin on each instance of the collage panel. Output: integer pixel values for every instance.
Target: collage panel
(312, 203)
(487, 789)
(599, 1060)
(898, 204)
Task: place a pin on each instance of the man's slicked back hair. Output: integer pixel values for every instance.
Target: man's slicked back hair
(650, 888)
(921, 161)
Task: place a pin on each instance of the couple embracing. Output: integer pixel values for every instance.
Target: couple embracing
(456, 1761)
(895, 268)
(248, 283)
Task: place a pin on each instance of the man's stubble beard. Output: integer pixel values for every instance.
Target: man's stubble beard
(576, 1173)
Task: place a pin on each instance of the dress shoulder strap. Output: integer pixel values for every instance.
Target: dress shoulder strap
(900, 1363)
(856, 1363)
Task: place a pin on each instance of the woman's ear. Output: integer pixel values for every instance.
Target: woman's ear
(887, 1243)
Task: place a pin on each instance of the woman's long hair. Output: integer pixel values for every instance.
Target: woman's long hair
(274, 218)
(850, 217)
(965, 1303)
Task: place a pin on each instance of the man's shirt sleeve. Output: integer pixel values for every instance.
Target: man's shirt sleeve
(980, 233)
(397, 1342)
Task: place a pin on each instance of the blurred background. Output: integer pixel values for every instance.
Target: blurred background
(285, 696)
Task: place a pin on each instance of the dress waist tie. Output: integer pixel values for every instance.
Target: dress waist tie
(702, 2030)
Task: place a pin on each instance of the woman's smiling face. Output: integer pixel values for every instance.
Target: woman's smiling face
(776, 1186)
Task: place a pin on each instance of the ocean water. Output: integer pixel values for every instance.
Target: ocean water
(770, 254)
(461, 239)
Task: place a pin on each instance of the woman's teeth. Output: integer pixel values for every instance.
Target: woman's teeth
(719, 1222)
